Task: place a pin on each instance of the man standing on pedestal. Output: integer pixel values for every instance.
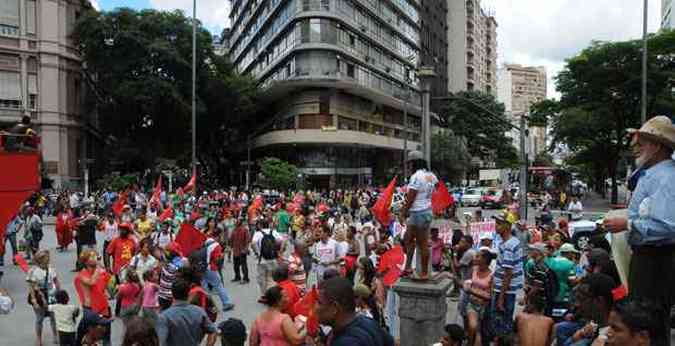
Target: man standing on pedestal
(651, 219)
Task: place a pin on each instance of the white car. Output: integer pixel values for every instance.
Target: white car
(471, 197)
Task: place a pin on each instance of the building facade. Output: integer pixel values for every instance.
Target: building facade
(518, 88)
(434, 48)
(667, 15)
(335, 76)
(40, 76)
(472, 47)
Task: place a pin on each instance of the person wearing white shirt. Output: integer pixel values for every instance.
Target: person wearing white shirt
(575, 208)
(325, 253)
(417, 213)
(265, 266)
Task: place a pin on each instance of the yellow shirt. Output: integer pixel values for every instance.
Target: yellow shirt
(144, 228)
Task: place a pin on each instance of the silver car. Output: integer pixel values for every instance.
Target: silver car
(471, 197)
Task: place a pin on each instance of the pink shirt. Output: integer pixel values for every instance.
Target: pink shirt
(436, 251)
(150, 290)
(128, 293)
(270, 332)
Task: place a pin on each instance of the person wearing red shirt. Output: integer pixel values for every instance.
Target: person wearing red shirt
(122, 248)
(291, 291)
(240, 239)
(214, 254)
(90, 284)
(64, 232)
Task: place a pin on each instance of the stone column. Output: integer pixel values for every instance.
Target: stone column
(422, 310)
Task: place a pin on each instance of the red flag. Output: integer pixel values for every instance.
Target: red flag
(157, 192)
(441, 198)
(119, 203)
(192, 183)
(305, 307)
(23, 264)
(189, 238)
(381, 208)
(166, 214)
(390, 264)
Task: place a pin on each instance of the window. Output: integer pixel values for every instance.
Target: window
(350, 70)
(30, 16)
(9, 13)
(314, 30)
(352, 40)
(10, 89)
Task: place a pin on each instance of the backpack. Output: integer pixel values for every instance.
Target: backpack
(198, 261)
(268, 247)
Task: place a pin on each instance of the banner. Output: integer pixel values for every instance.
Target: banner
(479, 229)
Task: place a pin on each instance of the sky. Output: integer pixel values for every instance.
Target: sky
(530, 32)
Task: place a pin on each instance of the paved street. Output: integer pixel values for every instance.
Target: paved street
(17, 329)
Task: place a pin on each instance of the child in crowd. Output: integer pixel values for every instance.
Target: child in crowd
(150, 305)
(66, 318)
(533, 327)
(129, 293)
(454, 336)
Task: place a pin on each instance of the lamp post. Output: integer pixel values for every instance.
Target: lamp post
(643, 110)
(194, 85)
(425, 74)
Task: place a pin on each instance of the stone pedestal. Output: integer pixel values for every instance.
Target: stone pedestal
(422, 310)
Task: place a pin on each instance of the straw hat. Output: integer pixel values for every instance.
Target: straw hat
(658, 128)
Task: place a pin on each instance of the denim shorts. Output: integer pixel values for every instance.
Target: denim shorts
(420, 219)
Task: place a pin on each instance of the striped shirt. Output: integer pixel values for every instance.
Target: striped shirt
(167, 277)
(510, 256)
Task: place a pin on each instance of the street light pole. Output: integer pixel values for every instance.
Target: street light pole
(643, 112)
(425, 73)
(194, 85)
(522, 194)
(405, 133)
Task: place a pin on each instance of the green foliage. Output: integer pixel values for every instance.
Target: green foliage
(278, 174)
(116, 182)
(601, 89)
(449, 156)
(480, 118)
(543, 159)
(542, 111)
(139, 65)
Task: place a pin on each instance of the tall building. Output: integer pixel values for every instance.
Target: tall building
(335, 75)
(667, 15)
(41, 76)
(518, 88)
(434, 44)
(221, 44)
(472, 47)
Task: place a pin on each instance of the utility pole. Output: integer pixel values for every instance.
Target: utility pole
(643, 111)
(194, 86)
(248, 161)
(405, 133)
(425, 74)
(522, 194)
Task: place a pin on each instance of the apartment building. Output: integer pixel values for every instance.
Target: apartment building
(335, 76)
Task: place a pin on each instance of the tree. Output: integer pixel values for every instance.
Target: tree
(601, 89)
(139, 66)
(449, 155)
(543, 159)
(278, 174)
(478, 117)
(542, 111)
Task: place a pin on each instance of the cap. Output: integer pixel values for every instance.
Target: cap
(415, 155)
(486, 236)
(539, 246)
(501, 218)
(567, 247)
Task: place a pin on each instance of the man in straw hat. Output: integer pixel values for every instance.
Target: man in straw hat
(651, 218)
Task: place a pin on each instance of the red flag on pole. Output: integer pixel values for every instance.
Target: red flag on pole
(189, 238)
(119, 203)
(157, 192)
(192, 183)
(441, 198)
(381, 208)
(166, 214)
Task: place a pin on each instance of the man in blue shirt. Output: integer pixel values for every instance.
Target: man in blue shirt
(184, 324)
(336, 308)
(651, 219)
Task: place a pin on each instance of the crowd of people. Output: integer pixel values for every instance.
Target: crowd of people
(325, 265)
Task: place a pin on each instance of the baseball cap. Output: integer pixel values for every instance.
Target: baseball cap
(486, 236)
(567, 247)
(539, 246)
(501, 218)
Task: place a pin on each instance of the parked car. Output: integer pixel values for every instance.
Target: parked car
(493, 198)
(471, 197)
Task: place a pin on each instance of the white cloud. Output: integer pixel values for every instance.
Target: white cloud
(536, 32)
(214, 14)
(95, 5)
